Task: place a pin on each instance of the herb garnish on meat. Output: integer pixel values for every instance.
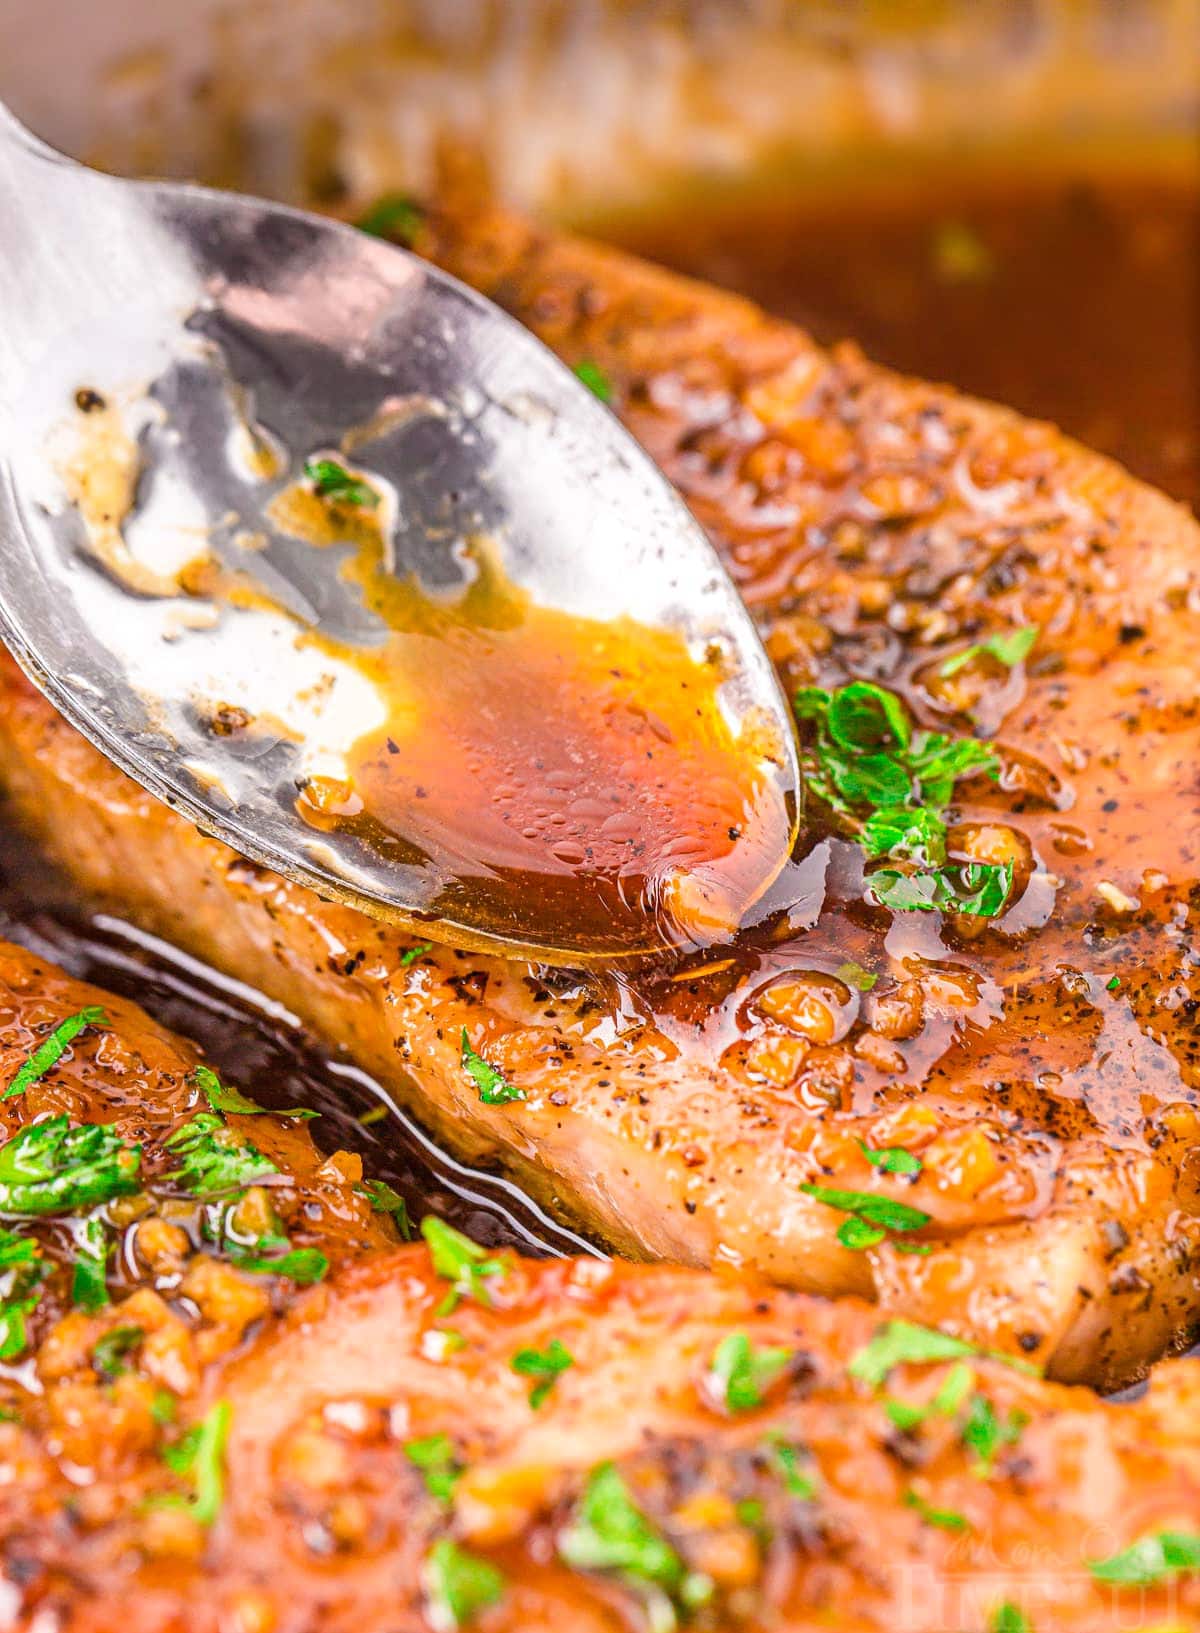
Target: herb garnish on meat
(740, 1375)
(494, 1088)
(890, 784)
(545, 1365)
(52, 1168)
(53, 1047)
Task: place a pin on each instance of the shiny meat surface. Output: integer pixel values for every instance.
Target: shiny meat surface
(432, 1437)
(1039, 1066)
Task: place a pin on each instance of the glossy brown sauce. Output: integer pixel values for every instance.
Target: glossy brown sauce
(1071, 298)
(571, 782)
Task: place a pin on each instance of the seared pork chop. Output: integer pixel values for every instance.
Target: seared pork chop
(1034, 1064)
(439, 1436)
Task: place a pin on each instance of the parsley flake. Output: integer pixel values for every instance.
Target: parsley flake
(1113, 982)
(51, 1168)
(459, 1585)
(871, 1216)
(89, 1277)
(787, 1459)
(986, 1434)
(977, 888)
(855, 976)
(53, 1047)
(434, 1456)
(1159, 1557)
(610, 1533)
(890, 784)
(413, 953)
(494, 1088)
(945, 1519)
(393, 216)
(546, 1365)
(20, 1258)
(110, 1350)
(949, 1398)
(341, 487)
(384, 1199)
(1009, 1618)
(222, 1098)
(200, 1453)
(595, 379)
(891, 1159)
(213, 1158)
(1009, 649)
(741, 1375)
(900, 1342)
(303, 1265)
(459, 1260)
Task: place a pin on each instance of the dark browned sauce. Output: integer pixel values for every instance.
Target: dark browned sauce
(1071, 299)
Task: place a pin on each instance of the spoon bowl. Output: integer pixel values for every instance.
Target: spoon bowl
(180, 373)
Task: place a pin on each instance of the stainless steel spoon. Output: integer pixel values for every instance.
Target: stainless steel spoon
(169, 359)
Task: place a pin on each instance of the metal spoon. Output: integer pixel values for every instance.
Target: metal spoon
(169, 359)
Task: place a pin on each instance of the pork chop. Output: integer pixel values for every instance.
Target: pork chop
(1034, 1066)
(440, 1436)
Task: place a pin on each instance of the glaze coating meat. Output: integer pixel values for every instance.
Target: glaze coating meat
(437, 1436)
(1040, 1065)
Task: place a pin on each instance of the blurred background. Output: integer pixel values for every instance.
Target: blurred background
(1000, 193)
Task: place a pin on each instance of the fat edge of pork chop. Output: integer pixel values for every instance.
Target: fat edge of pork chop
(874, 525)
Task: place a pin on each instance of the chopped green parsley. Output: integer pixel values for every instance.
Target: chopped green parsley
(1113, 982)
(52, 1168)
(89, 1276)
(978, 888)
(891, 1159)
(384, 1199)
(222, 1098)
(855, 976)
(275, 1256)
(1159, 1557)
(955, 1388)
(494, 1088)
(200, 1454)
(21, 1262)
(545, 1365)
(1009, 649)
(110, 1351)
(393, 216)
(53, 1047)
(891, 784)
(460, 1261)
(900, 1342)
(609, 1532)
(787, 1461)
(214, 1159)
(413, 953)
(595, 379)
(459, 1585)
(341, 487)
(434, 1456)
(871, 1216)
(945, 1519)
(740, 1375)
(1009, 1618)
(986, 1434)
